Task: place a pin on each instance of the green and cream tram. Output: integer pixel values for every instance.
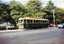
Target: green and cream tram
(32, 23)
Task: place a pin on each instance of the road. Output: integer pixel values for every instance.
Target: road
(40, 36)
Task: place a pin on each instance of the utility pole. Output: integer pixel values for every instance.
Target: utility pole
(53, 18)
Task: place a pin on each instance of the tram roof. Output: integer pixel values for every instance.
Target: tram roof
(32, 19)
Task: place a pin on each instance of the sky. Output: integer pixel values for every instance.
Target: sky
(58, 3)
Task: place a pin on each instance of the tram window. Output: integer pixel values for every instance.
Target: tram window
(34, 21)
(41, 21)
(21, 20)
(25, 21)
(44, 21)
(37, 21)
(31, 21)
(28, 20)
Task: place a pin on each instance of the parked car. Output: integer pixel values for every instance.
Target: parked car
(3, 25)
(6, 25)
(10, 26)
(61, 25)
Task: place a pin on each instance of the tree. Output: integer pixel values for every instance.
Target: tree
(3, 12)
(34, 9)
(50, 6)
(1, 9)
(48, 9)
(59, 13)
(16, 10)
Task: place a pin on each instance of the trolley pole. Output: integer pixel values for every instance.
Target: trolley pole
(53, 19)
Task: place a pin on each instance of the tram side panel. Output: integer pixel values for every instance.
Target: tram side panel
(35, 25)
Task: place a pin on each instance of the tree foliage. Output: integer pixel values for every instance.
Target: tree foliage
(59, 14)
(50, 6)
(16, 10)
(3, 12)
(48, 9)
(34, 9)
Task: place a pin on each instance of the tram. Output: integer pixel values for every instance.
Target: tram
(32, 23)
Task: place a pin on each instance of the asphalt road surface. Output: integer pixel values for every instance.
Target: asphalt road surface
(40, 36)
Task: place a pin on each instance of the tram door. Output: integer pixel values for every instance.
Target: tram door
(21, 24)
